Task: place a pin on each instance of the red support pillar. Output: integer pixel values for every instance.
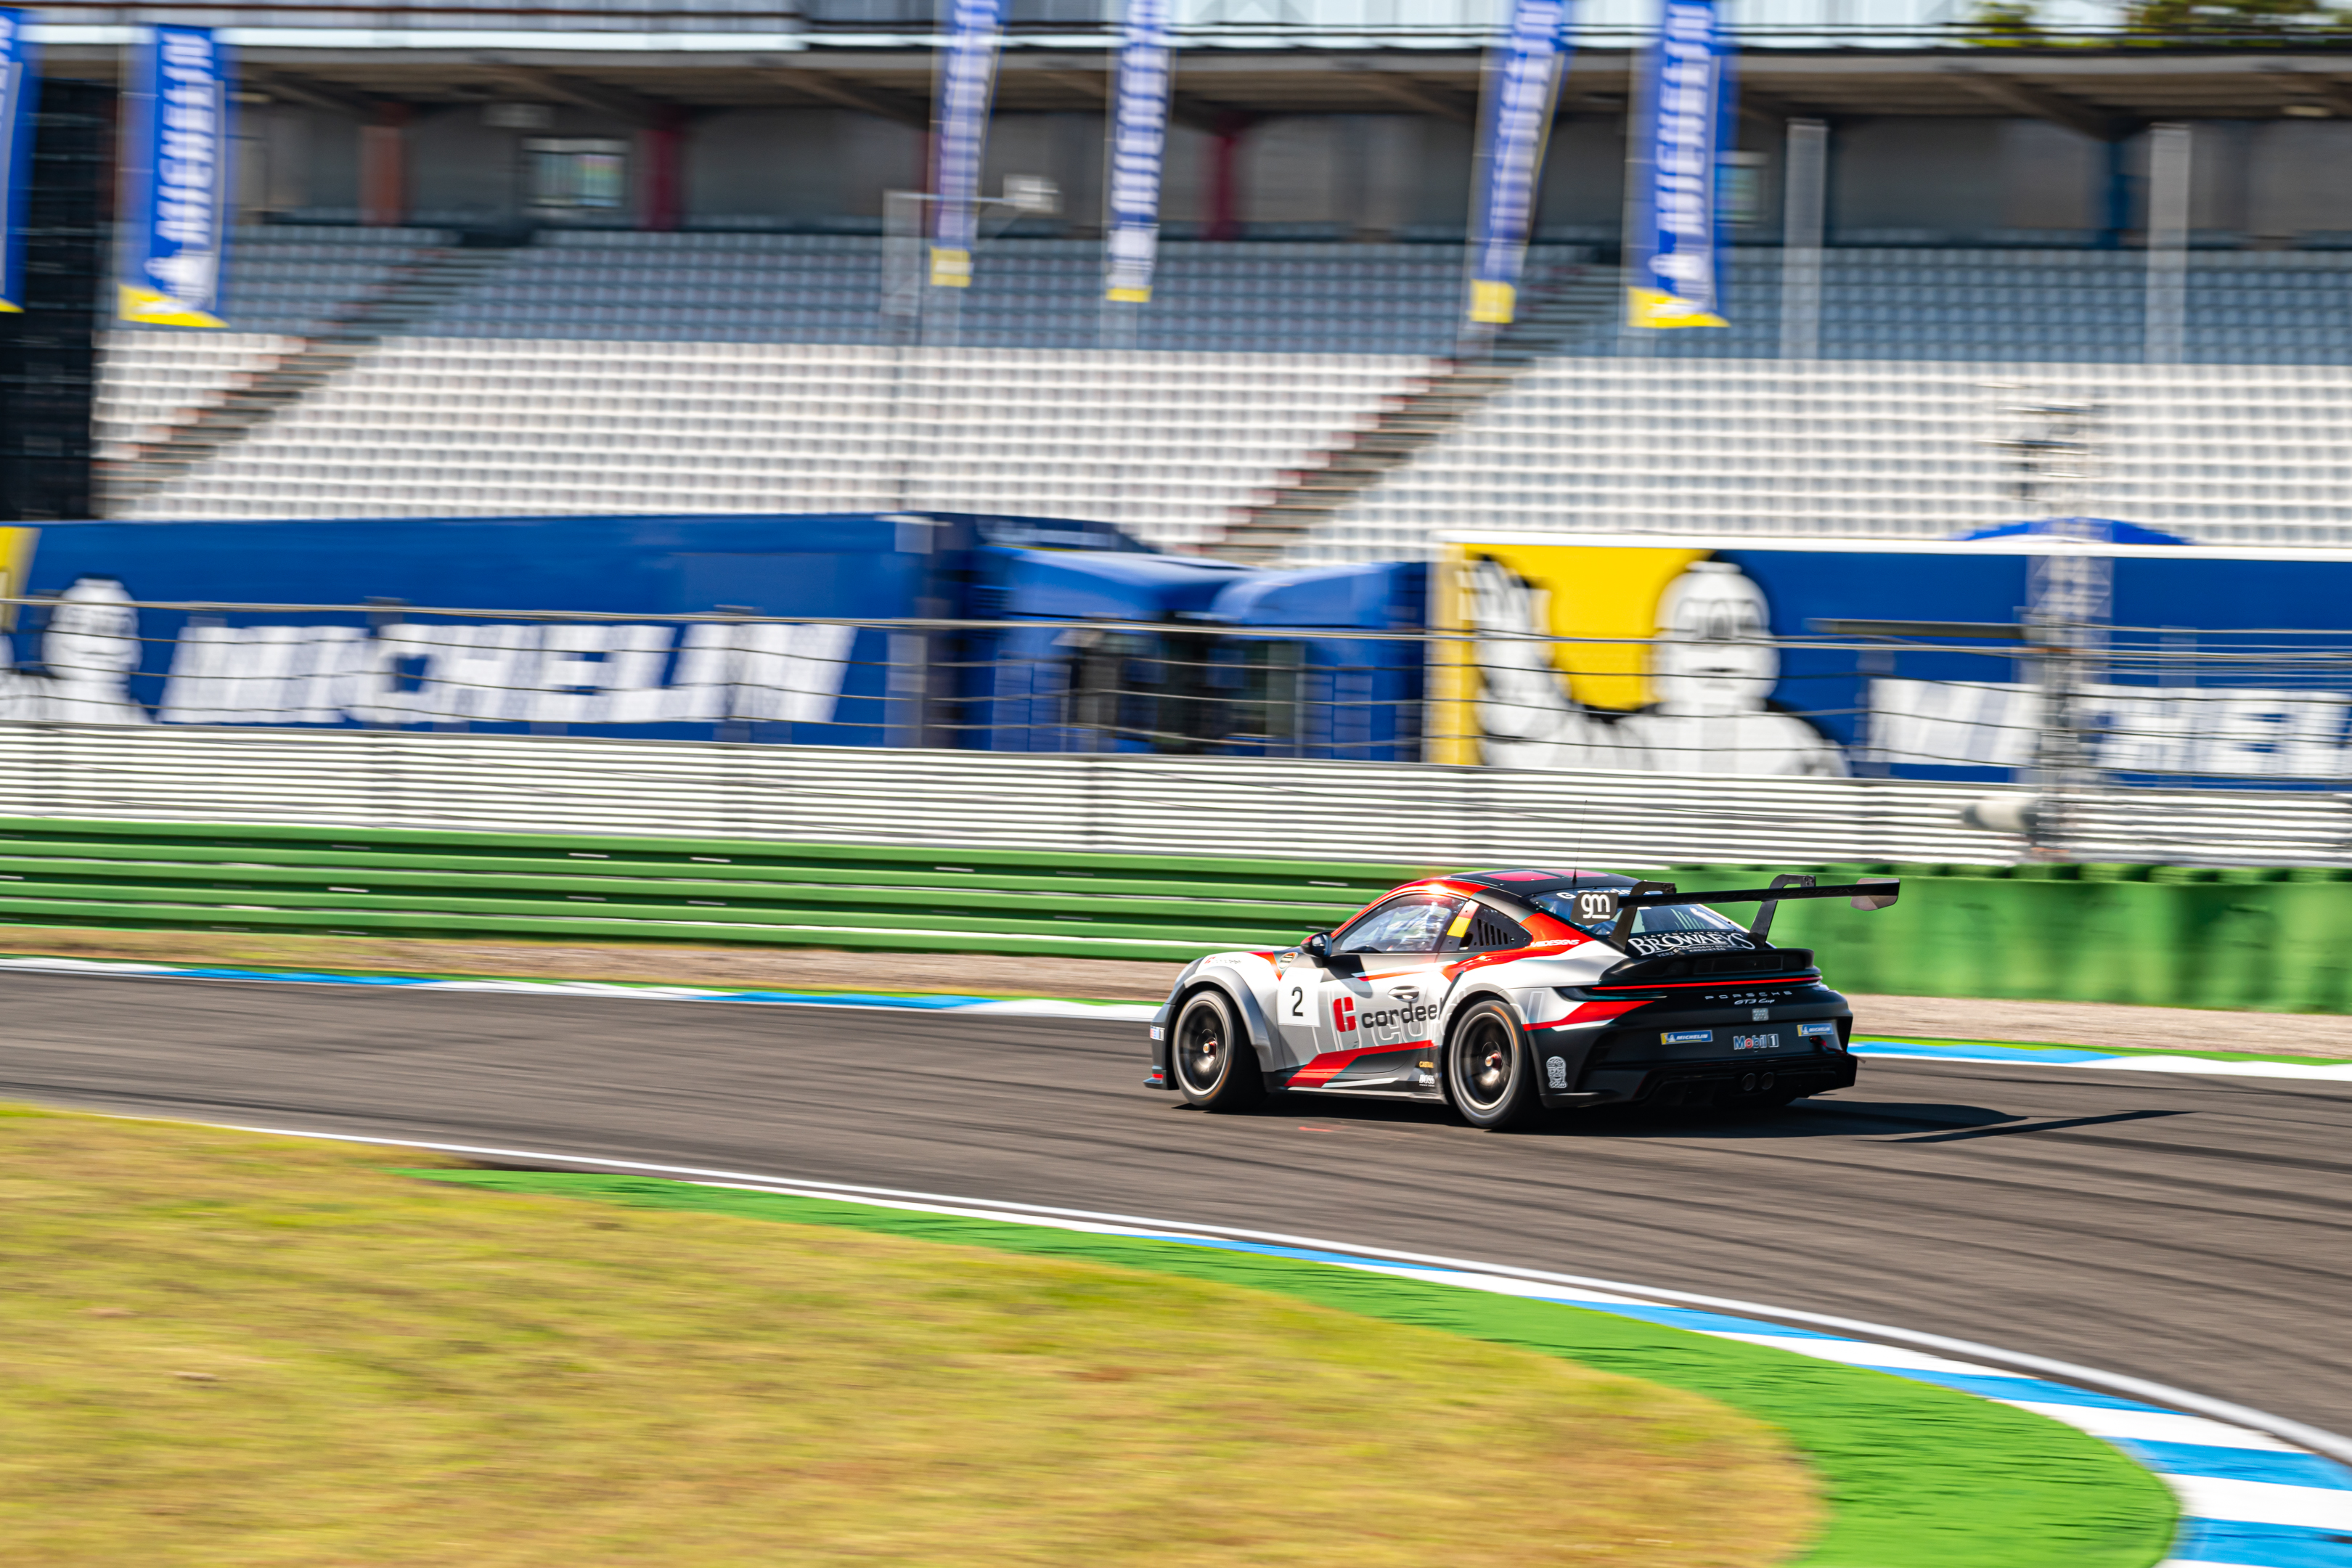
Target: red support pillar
(384, 167)
(664, 143)
(1224, 177)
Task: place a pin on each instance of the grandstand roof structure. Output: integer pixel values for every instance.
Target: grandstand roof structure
(640, 64)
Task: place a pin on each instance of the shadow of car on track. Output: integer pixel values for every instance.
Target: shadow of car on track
(1803, 1119)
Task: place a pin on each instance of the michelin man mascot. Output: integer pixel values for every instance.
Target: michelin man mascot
(88, 655)
(1526, 717)
(1713, 666)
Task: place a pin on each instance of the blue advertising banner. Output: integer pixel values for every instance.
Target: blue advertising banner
(692, 621)
(19, 88)
(1522, 82)
(1138, 139)
(175, 175)
(1675, 274)
(967, 82)
(1709, 656)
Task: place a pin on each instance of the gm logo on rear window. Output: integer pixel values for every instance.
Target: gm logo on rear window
(1688, 1036)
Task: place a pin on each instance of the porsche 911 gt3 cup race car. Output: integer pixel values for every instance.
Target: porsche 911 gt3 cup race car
(1507, 993)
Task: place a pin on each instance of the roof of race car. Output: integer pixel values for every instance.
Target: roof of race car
(1527, 884)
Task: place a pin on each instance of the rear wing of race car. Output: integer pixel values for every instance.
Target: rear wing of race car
(1605, 903)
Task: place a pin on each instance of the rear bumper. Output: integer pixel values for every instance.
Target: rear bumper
(1671, 1056)
(1690, 1086)
(1158, 1077)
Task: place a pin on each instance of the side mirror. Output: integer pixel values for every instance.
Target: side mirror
(1317, 947)
(1883, 891)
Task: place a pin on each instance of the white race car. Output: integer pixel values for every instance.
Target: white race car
(1507, 993)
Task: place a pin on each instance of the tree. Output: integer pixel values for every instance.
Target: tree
(2006, 25)
(2248, 19)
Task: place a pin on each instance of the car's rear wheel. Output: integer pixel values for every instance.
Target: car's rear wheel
(1216, 1068)
(1490, 1071)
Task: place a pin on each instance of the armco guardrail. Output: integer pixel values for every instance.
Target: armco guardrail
(2271, 939)
(1110, 803)
(373, 882)
(2262, 939)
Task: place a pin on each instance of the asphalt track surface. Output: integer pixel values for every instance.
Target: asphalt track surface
(2184, 1229)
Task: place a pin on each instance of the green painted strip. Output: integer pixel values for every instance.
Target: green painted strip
(78, 858)
(206, 884)
(2302, 1060)
(383, 972)
(1915, 1476)
(149, 916)
(1370, 876)
(1239, 925)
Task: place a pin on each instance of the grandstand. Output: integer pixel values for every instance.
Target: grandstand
(1240, 298)
(1167, 445)
(2227, 454)
(599, 371)
(298, 281)
(712, 338)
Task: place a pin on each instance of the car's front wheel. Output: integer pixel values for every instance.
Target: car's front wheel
(1216, 1068)
(1489, 1070)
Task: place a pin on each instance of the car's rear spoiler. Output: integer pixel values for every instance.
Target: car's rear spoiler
(1870, 893)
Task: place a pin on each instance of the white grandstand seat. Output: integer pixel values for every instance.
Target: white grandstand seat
(1227, 297)
(714, 372)
(146, 378)
(292, 279)
(1164, 444)
(2233, 455)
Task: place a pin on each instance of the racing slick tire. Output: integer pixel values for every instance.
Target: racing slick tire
(1214, 1064)
(1490, 1071)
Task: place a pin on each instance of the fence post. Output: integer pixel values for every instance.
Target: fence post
(2169, 148)
(1804, 176)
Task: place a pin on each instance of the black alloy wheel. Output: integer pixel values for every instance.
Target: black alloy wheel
(1490, 1071)
(1216, 1068)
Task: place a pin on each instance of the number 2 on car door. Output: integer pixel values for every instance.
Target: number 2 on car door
(1300, 996)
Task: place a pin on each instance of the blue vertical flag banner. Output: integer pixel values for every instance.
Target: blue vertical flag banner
(967, 82)
(1675, 276)
(1138, 142)
(20, 88)
(175, 169)
(1522, 84)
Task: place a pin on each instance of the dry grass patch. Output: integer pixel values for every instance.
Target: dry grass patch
(220, 1349)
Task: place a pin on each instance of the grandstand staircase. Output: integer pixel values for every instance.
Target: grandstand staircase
(256, 396)
(1557, 312)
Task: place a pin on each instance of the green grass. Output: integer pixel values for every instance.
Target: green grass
(222, 1348)
(1915, 1475)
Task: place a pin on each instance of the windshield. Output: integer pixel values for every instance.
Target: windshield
(1671, 928)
